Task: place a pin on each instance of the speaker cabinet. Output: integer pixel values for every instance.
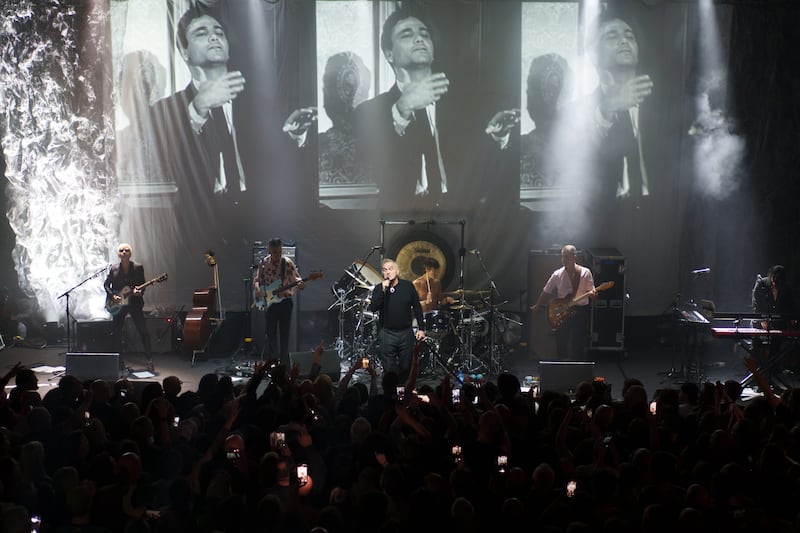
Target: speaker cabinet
(564, 376)
(86, 366)
(541, 264)
(608, 308)
(94, 336)
(330, 363)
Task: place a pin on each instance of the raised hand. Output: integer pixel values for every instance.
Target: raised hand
(503, 122)
(420, 94)
(300, 120)
(623, 96)
(212, 93)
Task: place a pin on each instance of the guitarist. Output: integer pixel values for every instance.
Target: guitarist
(569, 280)
(128, 274)
(279, 315)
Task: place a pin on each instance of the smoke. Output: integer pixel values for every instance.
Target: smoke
(718, 151)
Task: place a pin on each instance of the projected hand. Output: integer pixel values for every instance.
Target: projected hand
(213, 93)
(502, 122)
(300, 120)
(621, 97)
(420, 94)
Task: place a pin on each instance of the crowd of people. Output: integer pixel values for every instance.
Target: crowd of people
(284, 454)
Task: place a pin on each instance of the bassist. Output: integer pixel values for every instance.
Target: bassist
(570, 279)
(128, 274)
(278, 320)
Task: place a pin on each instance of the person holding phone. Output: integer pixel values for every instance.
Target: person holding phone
(397, 304)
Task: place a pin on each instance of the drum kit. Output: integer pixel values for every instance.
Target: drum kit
(468, 336)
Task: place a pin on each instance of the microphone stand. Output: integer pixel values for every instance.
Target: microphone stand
(65, 295)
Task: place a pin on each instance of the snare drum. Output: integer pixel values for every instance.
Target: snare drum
(436, 322)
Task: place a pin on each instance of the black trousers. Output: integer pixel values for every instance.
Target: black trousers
(141, 326)
(573, 335)
(278, 322)
(397, 348)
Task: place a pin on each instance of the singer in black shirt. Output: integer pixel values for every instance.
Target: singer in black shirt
(397, 304)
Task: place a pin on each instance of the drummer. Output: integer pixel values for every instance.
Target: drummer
(429, 287)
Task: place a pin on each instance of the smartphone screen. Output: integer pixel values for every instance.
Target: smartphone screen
(571, 486)
(653, 407)
(233, 455)
(401, 394)
(175, 421)
(302, 474)
(456, 394)
(364, 363)
(502, 462)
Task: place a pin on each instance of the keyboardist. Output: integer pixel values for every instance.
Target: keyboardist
(772, 295)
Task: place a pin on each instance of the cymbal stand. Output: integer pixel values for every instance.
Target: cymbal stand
(341, 304)
(494, 359)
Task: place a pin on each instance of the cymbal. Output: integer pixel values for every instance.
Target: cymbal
(465, 292)
(460, 307)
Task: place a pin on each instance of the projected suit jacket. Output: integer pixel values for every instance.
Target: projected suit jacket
(395, 161)
(192, 159)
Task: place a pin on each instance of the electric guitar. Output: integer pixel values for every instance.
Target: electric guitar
(560, 309)
(114, 307)
(269, 294)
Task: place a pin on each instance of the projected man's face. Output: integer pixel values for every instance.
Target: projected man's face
(616, 45)
(412, 45)
(207, 44)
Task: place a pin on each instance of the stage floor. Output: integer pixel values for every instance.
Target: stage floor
(657, 366)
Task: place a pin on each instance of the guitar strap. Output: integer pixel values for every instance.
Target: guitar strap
(575, 279)
(283, 269)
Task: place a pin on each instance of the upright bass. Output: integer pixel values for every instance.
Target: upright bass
(200, 320)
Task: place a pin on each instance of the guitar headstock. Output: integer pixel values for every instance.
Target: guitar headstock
(605, 286)
(315, 275)
(160, 278)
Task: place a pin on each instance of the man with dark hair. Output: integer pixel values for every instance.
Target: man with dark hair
(773, 296)
(203, 147)
(276, 271)
(615, 114)
(399, 131)
(429, 286)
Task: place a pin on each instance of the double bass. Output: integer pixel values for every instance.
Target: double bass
(199, 321)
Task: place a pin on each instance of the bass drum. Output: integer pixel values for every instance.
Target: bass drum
(437, 322)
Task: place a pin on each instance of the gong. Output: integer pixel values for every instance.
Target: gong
(411, 249)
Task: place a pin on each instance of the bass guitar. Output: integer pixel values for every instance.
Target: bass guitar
(269, 294)
(560, 309)
(115, 306)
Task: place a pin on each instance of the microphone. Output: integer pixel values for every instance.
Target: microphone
(376, 247)
(475, 251)
(386, 288)
(705, 270)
